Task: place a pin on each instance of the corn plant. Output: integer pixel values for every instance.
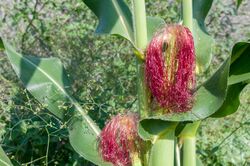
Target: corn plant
(171, 101)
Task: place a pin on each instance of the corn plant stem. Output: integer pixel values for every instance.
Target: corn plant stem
(189, 151)
(162, 152)
(140, 33)
(187, 12)
(189, 134)
(140, 28)
(177, 154)
(140, 23)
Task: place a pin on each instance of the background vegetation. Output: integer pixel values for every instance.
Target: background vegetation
(102, 70)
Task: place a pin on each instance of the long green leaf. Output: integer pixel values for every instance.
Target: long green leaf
(239, 77)
(47, 81)
(4, 160)
(203, 41)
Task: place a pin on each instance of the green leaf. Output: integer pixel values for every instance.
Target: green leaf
(232, 101)
(4, 160)
(203, 41)
(190, 129)
(201, 9)
(161, 135)
(153, 24)
(115, 18)
(150, 129)
(85, 142)
(240, 68)
(209, 98)
(46, 80)
(199, 162)
(203, 48)
(239, 77)
(1, 45)
(238, 2)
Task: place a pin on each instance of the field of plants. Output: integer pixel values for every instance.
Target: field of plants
(59, 39)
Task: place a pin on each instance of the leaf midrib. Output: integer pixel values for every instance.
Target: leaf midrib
(78, 107)
(123, 21)
(3, 162)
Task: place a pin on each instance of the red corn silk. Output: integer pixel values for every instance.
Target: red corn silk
(170, 68)
(119, 139)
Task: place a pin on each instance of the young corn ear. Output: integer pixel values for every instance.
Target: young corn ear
(170, 68)
(120, 143)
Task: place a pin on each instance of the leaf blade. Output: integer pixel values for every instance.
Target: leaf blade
(203, 41)
(153, 24)
(239, 3)
(116, 20)
(46, 80)
(239, 77)
(4, 160)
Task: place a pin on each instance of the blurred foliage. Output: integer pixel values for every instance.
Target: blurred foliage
(102, 71)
